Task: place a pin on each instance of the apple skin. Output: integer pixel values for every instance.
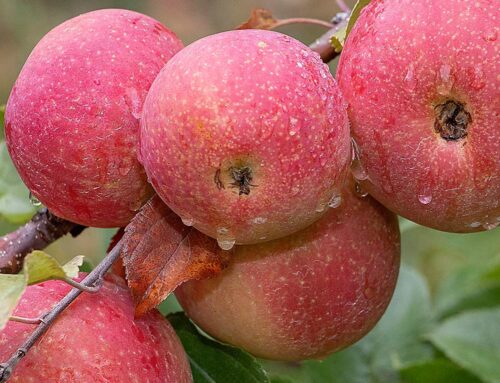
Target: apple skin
(306, 295)
(72, 119)
(96, 339)
(246, 101)
(402, 61)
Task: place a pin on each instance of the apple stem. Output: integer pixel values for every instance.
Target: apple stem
(323, 45)
(43, 229)
(93, 279)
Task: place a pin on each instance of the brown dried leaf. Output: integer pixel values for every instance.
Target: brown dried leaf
(260, 18)
(159, 253)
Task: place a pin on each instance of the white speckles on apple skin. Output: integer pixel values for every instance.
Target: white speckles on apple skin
(306, 295)
(401, 59)
(240, 98)
(72, 118)
(95, 340)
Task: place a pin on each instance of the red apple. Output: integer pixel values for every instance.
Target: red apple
(421, 79)
(306, 295)
(245, 136)
(95, 340)
(72, 120)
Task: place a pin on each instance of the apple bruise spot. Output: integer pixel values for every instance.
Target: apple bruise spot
(452, 120)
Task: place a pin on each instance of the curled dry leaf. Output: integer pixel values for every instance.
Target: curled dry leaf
(159, 253)
(260, 18)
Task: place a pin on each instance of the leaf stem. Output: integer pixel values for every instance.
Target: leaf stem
(25, 320)
(92, 279)
(303, 20)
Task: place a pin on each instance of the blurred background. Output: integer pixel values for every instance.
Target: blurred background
(443, 274)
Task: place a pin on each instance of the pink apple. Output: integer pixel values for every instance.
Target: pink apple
(95, 340)
(421, 79)
(306, 295)
(72, 120)
(245, 136)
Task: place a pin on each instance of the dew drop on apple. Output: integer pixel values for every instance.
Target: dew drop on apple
(357, 169)
(259, 220)
(226, 243)
(410, 78)
(188, 221)
(475, 224)
(335, 201)
(34, 201)
(360, 192)
(490, 225)
(424, 199)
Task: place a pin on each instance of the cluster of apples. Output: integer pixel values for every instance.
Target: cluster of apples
(247, 137)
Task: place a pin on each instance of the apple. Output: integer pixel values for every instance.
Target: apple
(96, 339)
(245, 136)
(421, 80)
(306, 295)
(72, 119)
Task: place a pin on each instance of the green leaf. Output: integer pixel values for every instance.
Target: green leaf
(14, 202)
(437, 371)
(72, 268)
(12, 287)
(472, 340)
(438, 254)
(40, 267)
(398, 339)
(471, 287)
(339, 38)
(213, 362)
(349, 366)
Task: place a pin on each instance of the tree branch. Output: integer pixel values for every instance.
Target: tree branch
(95, 278)
(43, 229)
(322, 45)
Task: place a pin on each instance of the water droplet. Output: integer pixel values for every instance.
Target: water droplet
(360, 192)
(304, 53)
(262, 238)
(300, 64)
(259, 220)
(445, 78)
(222, 231)
(335, 201)
(225, 243)
(34, 201)
(261, 44)
(410, 78)
(188, 221)
(478, 79)
(492, 35)
(491, 225)
(424, 199)
(357, 169)
(444, 72)
(321, 207)
(475, 224)
(293, 121)
(292, 133)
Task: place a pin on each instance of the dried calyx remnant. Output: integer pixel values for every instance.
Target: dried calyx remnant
(241, 177)
(452, 120)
